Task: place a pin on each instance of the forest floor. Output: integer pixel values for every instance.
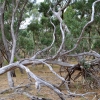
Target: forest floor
(47, 75)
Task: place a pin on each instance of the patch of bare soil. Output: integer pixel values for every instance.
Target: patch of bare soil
(46, 74)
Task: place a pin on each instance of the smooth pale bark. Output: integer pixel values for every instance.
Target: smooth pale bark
(49, 47)
(10, 55)
(22, 64)
(10, 80)
(84, 28)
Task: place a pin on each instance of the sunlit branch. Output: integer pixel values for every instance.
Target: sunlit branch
(12, 32)
(49, 47)
(63, 40)
(84, 28)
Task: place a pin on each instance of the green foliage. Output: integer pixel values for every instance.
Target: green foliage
(96, 45)
(85, 65)
(39, 31)
(15, 59)
(25, 41)
(69, 41)
(46, 40)
(34, 26)
(73, 22)
(23, 33)
(44, 8)
(0, 36)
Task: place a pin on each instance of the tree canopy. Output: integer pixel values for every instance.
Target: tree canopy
(58, 31)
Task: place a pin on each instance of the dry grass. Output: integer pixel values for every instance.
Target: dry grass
(44, 73)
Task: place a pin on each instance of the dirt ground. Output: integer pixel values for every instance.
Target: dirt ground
(46, 74)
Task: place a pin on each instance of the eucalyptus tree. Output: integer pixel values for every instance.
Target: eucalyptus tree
(25, 44)
(83, 11)
(11, 13)
(11, 18)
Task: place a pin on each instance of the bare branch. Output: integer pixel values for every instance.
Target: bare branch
(12, 31)
(49, 47)
(90, 53)
(87, 24)
(63, 40)
(41, 81)
(68, 68)
(37, 79)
